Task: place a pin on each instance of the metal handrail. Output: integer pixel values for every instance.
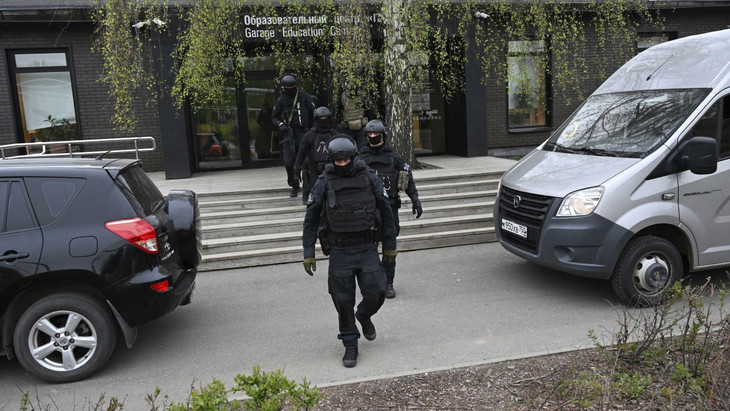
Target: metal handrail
(81, 147)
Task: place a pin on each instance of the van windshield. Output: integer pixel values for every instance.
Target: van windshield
(627, 124)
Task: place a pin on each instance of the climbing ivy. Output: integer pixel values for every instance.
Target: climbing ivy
(382, 47)
(123, 39)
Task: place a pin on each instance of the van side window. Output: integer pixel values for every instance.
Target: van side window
(725, 136)
(16, 214)
(707, 126)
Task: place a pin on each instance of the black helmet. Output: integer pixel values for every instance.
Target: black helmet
(289, 80)
(322, 112)
(341, 147)
(375, 126)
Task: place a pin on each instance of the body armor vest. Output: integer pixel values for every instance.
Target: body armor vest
(384, 166)
(351, 204)
(318, 152)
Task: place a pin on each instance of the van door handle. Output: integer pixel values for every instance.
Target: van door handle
(12, 255)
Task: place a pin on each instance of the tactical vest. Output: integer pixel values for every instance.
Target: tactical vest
(318, 151)
(384, 166)
(351, 207)
(353, 112)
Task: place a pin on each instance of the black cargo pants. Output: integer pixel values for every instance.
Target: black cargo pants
(347, 265)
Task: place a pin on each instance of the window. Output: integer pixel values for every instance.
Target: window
(527, 84)
(716, 120)
(647, 40)
(43, 92)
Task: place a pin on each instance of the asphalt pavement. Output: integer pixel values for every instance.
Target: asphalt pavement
(456, 306)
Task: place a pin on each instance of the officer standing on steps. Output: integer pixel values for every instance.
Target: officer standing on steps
(349, 210)
(312, 154)
(396, 176)
(293, 114)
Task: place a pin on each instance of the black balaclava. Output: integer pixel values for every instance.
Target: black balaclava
(323, 124)
(347, 169)
(376, 141)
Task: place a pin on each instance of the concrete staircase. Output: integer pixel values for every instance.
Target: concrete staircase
(263, 226)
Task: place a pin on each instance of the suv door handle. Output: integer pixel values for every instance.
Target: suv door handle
(11, 256)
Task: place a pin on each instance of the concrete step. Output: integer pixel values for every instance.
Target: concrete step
(248, 228)
(250, 242)
(290, 254)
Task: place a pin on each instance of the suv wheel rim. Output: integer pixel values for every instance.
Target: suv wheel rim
(62, 341)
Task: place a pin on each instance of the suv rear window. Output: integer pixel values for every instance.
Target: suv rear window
(140, 190)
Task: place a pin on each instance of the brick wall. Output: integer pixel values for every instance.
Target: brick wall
(94, 106)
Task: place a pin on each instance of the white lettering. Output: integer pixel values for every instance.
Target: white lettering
(255, 34)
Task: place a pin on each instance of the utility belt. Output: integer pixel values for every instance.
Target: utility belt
(352, 239)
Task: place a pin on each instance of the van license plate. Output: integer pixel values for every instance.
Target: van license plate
(514, 228)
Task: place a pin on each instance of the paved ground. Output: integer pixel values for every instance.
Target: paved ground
(456, 306)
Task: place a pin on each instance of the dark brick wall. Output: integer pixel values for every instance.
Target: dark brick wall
(94, 106)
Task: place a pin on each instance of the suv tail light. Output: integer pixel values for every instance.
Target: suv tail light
(136, 231)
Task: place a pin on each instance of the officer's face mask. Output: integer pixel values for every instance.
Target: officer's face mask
(290, 91)
(323, 123)
(375, 139)
(344, 170)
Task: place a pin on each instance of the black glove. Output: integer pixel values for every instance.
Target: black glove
(417, 210)
(282, 127)
(310, 264)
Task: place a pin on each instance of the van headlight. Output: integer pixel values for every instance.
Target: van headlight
(581, 202)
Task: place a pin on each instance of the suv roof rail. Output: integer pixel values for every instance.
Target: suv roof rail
(80, 148)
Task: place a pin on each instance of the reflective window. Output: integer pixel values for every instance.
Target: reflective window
(44, 96)
(527, 86)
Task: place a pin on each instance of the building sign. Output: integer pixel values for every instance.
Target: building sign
(284, 27)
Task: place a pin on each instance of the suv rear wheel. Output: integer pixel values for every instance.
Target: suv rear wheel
(65, 337)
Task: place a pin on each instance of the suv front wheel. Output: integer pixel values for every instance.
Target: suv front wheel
(65, 337)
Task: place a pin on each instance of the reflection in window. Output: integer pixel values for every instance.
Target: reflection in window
(527, 84)
(44, 96)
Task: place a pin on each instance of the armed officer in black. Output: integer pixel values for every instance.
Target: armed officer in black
(396, 176)
(293, 114)
(312, 154)
(349, 209)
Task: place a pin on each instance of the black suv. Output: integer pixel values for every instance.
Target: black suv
(89, 249)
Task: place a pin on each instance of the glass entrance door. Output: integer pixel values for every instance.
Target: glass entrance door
(259, 94)
(217, 138)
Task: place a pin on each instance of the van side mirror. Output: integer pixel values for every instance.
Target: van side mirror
(699, 155)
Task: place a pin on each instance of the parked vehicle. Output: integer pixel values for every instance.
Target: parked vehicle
(89, 249)
(634, 187)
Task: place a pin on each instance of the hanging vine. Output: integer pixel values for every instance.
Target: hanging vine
(124, 42)
(384, 47)
(209, 50)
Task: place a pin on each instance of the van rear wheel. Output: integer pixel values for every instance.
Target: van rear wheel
(647, 268)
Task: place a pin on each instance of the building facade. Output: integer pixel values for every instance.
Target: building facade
(50, 89)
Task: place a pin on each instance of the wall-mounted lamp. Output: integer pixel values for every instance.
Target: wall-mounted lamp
(481, 15)
(140, 24)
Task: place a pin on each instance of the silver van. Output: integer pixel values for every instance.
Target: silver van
(634, 187)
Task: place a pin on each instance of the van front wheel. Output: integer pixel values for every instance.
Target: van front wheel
(647, 268)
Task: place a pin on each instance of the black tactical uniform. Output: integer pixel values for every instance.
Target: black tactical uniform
(312, 154)
(293, 114)
(349, 208)
(390, 167)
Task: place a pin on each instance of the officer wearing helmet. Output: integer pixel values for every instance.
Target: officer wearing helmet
(349, 210)
(312, 154)
(293, 114)
(396, 176)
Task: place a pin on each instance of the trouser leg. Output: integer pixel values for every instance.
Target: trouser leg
(390, 268)
(341, 284)
(288, 153)
(371, 279)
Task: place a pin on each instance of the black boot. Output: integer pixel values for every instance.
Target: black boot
(294, 191)
(350, 358)
(389, 291)
(368, 328)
